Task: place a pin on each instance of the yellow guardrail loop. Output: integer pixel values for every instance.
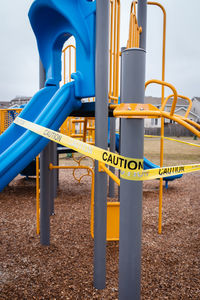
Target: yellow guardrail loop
(164, 83)
(182, 97)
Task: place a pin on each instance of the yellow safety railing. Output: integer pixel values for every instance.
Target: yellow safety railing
(84, 131)
(134, 29)
(182, 97)
(162, 119)
(7, 116)
(157, 113)
(68, 48)
(114, 50)
(163, 83)
(67, 127)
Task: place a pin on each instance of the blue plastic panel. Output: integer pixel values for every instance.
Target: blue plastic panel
(53, 22)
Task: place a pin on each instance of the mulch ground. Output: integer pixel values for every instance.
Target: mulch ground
(64, 270)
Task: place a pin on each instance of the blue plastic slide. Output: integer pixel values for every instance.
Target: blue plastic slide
(53, 22)
(149, 165)
(19, 146)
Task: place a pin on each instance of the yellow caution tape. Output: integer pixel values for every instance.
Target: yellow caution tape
(110, 158)
(159, 172)
(171, 139)
(131, 169)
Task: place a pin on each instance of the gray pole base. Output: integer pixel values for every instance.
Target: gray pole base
(45, 196)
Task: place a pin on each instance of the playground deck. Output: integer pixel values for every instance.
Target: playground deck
(170, 262)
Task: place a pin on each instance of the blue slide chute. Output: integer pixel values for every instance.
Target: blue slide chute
(53, 22)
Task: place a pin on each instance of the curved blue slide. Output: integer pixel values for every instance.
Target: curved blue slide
(53, 22)
(19, 146)
(149, 165)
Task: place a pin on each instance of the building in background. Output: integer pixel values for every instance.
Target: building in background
(196, 105)
(16, 102)
(19, 100)
(4, 104)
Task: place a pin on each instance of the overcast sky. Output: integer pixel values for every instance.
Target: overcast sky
(19, 57)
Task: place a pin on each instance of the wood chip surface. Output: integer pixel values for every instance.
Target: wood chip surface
(64, 270)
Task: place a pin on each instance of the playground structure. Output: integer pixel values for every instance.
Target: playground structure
(80, 89)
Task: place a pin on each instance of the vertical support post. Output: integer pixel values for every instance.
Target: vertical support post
(142, 21)
(53, 178)
(111, 191)
(132, 144)
(55, 162)
(44, 183)
(101, 140)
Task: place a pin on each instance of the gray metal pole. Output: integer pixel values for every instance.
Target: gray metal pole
(101, 140)
(111, 190)
(53, 180)
(132, 138)
(44, 183)
(142, 21)
(55, 162)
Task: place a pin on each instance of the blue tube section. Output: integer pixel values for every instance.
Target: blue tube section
(19, 146)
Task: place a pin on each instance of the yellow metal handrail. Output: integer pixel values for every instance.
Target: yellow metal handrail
(158, 114)
(191, 122)
(70, 47)
(164, 83)
(134, 29)
(6, 118)
(114, 50)
(162, 119)
(182, 97)
(162, 100)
